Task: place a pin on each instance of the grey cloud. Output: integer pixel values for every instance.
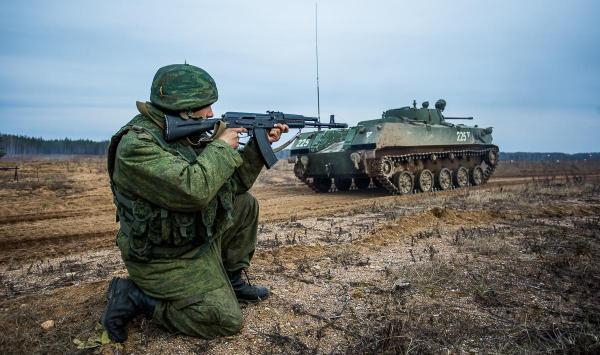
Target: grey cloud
(501, 61)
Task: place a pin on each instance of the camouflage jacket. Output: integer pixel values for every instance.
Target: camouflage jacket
(173, 197)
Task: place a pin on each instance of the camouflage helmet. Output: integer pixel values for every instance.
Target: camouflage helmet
(181, 87)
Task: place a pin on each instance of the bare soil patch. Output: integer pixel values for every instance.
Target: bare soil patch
(510, 267)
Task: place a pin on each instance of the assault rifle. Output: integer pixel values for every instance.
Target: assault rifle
(257, 124)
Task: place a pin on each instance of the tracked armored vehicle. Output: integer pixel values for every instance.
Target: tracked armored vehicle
(407, 150)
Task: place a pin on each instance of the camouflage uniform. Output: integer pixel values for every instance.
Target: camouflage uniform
(187, 221)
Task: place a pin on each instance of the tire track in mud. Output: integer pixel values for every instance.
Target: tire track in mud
(275, 205)
(24, 250)
(40, 216)
(394, 230)
(388, 231)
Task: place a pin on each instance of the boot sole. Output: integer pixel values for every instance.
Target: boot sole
(110, 293)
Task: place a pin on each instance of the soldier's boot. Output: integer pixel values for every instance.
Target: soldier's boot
(125, 301)
(245, 292)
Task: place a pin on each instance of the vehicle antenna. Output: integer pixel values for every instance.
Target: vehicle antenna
(317, 59)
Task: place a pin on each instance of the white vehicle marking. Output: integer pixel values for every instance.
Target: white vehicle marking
(302, 142)
(462, 136)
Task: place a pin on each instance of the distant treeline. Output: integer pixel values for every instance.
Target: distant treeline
(524, 156)
(17, 145)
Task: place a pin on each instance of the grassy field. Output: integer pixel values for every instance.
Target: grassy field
(508, 267)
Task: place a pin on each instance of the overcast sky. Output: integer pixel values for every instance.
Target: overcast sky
(530, 69)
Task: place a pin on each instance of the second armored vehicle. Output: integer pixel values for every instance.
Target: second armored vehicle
(407, 150)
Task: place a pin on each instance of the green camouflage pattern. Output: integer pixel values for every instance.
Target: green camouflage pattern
(193, 291)
(402, 130)
(181, 87)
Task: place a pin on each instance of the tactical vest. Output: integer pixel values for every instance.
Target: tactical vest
(155, 232)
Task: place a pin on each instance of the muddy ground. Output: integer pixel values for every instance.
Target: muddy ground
(509, 267)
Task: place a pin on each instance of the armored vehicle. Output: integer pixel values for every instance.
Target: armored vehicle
(407, 150)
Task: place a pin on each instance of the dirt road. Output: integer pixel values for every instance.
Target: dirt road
(509, 266)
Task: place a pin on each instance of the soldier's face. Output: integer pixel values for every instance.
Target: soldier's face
(204, 112)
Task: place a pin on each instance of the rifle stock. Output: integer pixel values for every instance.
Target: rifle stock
(177, 128)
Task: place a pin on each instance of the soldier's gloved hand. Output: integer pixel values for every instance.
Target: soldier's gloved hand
(276, 131)
(231, 136)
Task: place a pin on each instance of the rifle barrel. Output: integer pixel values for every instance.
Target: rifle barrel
(327, 125)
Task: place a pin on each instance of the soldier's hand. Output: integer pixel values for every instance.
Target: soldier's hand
(231, 136)
(276, 131)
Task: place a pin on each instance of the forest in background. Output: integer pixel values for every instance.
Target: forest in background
(22, 145)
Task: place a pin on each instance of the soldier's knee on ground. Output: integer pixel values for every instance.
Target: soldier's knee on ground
(211, 314)
(214, 322)
(233, 323)
(203, 321)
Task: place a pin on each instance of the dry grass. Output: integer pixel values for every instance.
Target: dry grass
(546, 168)
(511, 290)
(510, 267)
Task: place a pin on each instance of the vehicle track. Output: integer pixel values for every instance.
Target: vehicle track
(21, 250)
(40, 216)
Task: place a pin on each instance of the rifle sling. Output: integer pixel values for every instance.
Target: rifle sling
(219, 128)
(282, 147)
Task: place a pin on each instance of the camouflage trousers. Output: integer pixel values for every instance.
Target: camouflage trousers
(194, 294)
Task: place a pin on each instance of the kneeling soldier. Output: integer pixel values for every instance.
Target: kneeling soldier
(187, 223)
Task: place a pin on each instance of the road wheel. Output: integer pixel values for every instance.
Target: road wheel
(387, 167)
(362, 183)
(461, 177)
(322, 184)
(477, 176)
(425, 180)
(404, 182)
(444, 179)
(343, 184)
(299, 169)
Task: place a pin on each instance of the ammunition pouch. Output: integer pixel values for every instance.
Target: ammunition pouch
(154, 232)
